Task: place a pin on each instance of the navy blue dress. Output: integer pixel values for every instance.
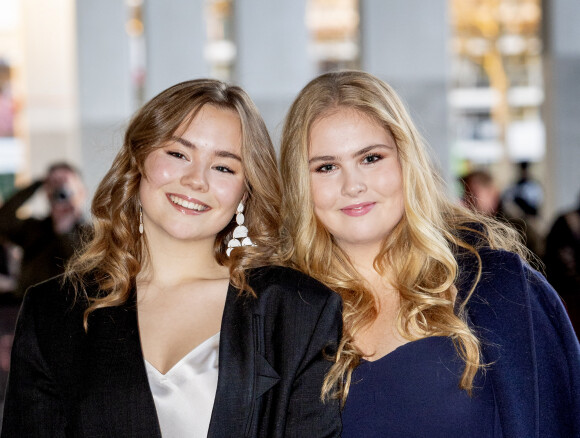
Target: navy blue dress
(414, 392)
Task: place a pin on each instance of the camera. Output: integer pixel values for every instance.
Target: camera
(61, 194)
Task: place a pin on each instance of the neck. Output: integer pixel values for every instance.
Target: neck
(362, 259)
(173, 261)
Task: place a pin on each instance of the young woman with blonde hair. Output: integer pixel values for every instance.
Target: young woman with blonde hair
(448, 331)
(174, 320)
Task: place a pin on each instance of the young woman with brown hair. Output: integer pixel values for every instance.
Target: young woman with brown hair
(174, 320)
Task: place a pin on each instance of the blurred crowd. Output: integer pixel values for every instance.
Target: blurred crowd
(557, 251)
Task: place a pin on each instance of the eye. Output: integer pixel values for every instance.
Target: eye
(176, 155)
(371, 158)
(325, 168)
(224, 169)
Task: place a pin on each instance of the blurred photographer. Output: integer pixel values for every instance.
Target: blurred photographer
(46, 243)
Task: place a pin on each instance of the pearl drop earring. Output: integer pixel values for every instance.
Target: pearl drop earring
(140, 219)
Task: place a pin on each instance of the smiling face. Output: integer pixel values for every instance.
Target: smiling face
(356, 180)
(193, 183)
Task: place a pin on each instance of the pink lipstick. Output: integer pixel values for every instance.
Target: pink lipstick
(187, 205)
(356, 210)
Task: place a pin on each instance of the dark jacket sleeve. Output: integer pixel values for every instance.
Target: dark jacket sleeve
(308, 415)
(531, 350)
(558, 360)
(10, 226)
(33, 407)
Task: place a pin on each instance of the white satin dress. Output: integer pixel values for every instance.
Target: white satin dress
(184, 396)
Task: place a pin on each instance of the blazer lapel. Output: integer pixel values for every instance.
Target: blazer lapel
(118, 375)
(233, 403)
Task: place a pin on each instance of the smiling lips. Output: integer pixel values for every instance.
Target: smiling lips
(358, 209)
(186, 206)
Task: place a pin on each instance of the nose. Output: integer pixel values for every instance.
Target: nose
(196, 178)
(353, 183)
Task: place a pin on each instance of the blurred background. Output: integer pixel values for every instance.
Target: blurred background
(489, 82)
(493, 85)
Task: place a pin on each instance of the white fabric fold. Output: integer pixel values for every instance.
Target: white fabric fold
(184, 396)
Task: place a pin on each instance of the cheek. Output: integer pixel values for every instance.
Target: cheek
(160, 171)
(322, 193)
(229, 190)
(389, 181)
(391, 187)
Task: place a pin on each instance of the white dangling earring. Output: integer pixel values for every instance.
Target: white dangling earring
(140, 219)
(240, 232)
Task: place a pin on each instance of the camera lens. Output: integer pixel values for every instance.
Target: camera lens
(61, 194)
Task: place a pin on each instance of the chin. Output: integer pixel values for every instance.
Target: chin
(182, 233)
(364, 241)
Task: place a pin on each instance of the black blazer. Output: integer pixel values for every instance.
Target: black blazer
(67, 383)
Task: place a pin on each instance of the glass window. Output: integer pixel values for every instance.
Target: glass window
(335, 36)
(220, 50)
(497, 81)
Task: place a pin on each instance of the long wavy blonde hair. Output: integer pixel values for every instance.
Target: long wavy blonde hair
(112, 258)
(420, 253)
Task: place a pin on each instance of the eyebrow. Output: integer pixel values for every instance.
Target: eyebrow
(219, 153)
(358, 153)
(226, 154)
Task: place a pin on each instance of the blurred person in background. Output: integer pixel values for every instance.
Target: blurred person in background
(34, 249)
(9, 305)
(481, 194)
(10, 260)
(562, 260)
(526, 193)
(448, 330)
(48, 243)
(522, 202)
(177, 320)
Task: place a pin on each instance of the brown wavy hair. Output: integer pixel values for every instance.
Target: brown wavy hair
(421, 250)
(112, 258)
